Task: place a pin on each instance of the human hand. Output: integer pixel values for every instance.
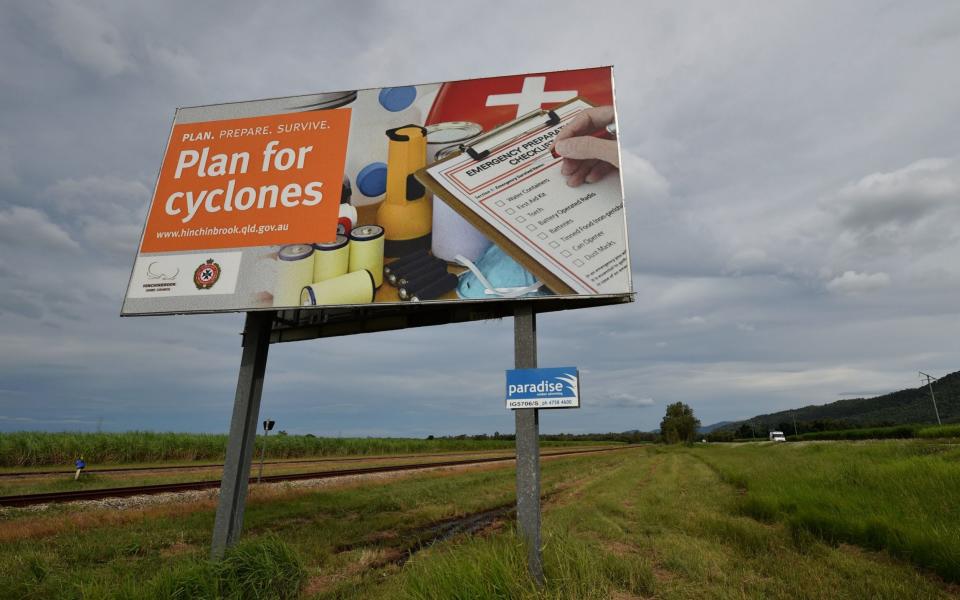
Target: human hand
(585, 157)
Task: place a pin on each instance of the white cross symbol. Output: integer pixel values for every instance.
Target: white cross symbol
(530, 97)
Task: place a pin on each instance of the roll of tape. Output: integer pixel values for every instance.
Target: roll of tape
(353, 288)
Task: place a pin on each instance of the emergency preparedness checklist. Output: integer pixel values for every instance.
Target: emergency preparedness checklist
(578, 234)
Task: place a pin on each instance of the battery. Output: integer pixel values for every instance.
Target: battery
(366, 251)
(353, 288)
(404, 260)
(332, 259)
(436, 289)
(435, 266)
(398, 273)
(420, 281)
(295, 271)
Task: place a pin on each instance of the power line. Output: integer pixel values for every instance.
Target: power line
(929, 382)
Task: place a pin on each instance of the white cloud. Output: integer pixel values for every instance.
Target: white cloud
(20, 224)
(898, 198)
(84, 37)
(106, 196)
(623, 400)
(852, 282)
(641, 180)
(177, 61)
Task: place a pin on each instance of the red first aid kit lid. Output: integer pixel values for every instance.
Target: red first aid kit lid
(496, 100)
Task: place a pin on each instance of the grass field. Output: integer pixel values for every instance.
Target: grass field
(651, 522)
(34, 448)
(899, 496)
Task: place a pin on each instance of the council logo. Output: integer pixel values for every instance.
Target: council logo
(206, 275)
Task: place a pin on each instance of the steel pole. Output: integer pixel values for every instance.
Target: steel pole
(243, 433)
(528, 443)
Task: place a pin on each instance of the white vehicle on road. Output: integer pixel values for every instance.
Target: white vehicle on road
(777, 436)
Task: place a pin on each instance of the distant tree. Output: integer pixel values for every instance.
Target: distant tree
(281, 432)
(679, 424)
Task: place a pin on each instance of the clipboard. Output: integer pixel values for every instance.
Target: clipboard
(480, 148)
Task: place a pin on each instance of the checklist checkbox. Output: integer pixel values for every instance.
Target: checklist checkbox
(531, 227)
(501, 203)
(565, 253)
(554, 244)
(542, 236)
(578, 262)
(510, 211)
(521, 220)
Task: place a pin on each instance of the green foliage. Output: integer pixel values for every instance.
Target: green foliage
(940, 431)
(867, 433)
(883, 433)
(895, 495)
(33, 448)
(679, 424)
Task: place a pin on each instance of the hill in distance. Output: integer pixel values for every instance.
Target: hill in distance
(905, 407)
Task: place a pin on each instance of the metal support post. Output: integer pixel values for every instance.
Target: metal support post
(528, 443)
(243, 433)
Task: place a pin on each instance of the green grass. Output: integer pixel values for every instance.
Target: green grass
(649, 522)
(33, 448)
(656, 525)
(265, 568)
(897, 496)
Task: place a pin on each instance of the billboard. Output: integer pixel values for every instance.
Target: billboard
(500, 188)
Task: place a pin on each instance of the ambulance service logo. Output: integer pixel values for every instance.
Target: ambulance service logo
(206, 275)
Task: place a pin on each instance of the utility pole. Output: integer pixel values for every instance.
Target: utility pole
(794, 417)
(929, 382)
(267, 426)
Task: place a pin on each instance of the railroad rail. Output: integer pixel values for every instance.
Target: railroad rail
(160, 488)
(51, 472)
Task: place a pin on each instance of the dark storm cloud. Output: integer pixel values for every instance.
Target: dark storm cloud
(790, 173)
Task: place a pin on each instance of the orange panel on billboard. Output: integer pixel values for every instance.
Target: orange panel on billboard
(250, 182)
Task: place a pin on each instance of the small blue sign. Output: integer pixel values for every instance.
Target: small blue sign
(557, 387)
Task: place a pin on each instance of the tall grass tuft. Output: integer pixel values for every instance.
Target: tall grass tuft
(262, 568)
(496, 569)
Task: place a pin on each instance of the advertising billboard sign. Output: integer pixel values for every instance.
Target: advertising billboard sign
(557, 387)
(425, 193)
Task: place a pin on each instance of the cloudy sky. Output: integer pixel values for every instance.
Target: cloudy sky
(792, 176)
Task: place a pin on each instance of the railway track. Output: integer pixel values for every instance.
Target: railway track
(52, 472)
(123, 492)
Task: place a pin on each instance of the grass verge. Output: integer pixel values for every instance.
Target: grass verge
(897, 496)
